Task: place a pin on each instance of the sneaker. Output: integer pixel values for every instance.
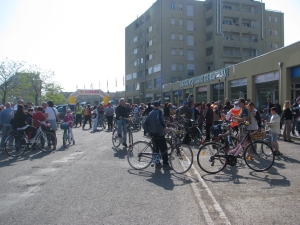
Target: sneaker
(73, 142)
(294, 135)
(167, 167)
(125, 145)
(276, 153)
(158, 166)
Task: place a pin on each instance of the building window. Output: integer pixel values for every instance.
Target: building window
(276, 19)
(173, 36)
(135, 51)
(150, 29)
(136, 87)
(180, 37)
(190, 69)
(172, 21)
(190, 40)
(270, 18)
(190, 55)
(190, 10)
(180, 67)
(276, 45)
(180, 22)
(150, 70)
(209, 51)
(190, 25)
(173, 67)
(180, 51)
(142, 60)
(180, 7)
(149, 84)
(135, 39)
(129, 77)
(270, 31)
(149, 43)
(270, 44)
(157, 82)
(173, 51)
(172, 5)
(129, 87)
(276, 32)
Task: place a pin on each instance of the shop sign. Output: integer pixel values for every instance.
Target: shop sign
(202, 89)
(266, 77)
(238, 83)
(216, 86)
(204, 78)
(149, 95)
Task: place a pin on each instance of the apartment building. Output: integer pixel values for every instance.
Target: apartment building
(177, 40)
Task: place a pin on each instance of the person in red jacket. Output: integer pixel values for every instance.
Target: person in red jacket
(70, 120)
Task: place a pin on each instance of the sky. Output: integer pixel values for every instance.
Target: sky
(83, 41)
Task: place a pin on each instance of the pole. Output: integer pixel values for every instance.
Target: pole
(219, 90)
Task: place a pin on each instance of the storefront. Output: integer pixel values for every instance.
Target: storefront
(167, 97)
(201, 94)
(157, 97)
(238, 89)
(187, 92)
(295, 80)
(266, 86)
(216, 88)
(149, 98)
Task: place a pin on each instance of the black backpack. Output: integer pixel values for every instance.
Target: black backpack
(258, 118)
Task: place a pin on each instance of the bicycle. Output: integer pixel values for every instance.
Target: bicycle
(258, 154)
(101, 121)
(17, 142)
(67, 137)
(141, 155)
(116, 140)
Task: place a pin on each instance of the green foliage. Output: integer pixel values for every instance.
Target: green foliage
(53, 92)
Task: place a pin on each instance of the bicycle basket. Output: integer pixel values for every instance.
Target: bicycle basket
(258, 135)
(45, 126)
(64, 126)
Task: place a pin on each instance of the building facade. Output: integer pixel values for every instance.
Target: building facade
(274, 75)
(176, 40)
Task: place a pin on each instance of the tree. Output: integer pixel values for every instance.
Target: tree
(8, 78)
(53, 92)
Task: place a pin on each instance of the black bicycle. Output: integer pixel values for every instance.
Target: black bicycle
(116, 140)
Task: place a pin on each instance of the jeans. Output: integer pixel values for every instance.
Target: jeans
(160, 144)
(295, 125)
(5, 131)
(287, 130)
(95, 123)
(78, 119)
(87, 119)
(122, 126)
(109, 122)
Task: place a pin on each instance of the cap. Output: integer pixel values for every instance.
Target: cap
(185, 103)
(156, 103)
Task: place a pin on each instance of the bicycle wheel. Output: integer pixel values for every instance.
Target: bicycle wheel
(212, 157)
(197, 136)
(46, 142)
(69, 138)
(103, 123)
(139, 155)
(259, 156)
(181, 158)
(130, 138)
(65, 138)
(15, 145)
(116, 141)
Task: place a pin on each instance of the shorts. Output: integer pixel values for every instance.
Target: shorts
(274, 137)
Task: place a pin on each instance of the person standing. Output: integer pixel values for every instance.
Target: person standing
(253, 112)
(296, 114)
(287, 117)
(5, 118)
(78, 113)
(87, 113)
(51, 115)
(109, 111)
(167, 111)
(147, 111)
(155, 126)
(209, 117)
(122, 124)
(274, 129)
(186, 111)
(279, 111)
(95, 117)
(38, 116)
(267, 110)
(68, 118)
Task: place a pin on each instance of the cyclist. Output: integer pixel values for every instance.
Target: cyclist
(70, 120)
(78, 111)
(109, 110)
(155, 126)
(120, 115)
(38, 116)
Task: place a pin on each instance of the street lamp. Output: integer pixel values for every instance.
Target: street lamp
(219, 77)
(37, 88)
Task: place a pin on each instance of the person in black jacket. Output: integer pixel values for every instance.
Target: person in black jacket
(146, 112)
(287, 120)
(267, 110)
(296, 114)
(122, 124)
(20, 122)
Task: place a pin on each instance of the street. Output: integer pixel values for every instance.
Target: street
(92, 183)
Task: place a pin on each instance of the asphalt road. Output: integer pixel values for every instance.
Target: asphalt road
(92, 183)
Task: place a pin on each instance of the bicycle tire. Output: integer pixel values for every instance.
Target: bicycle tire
(47, 142)
(259, 156)
(181, 158)
(15, 145)
(130, 138)
(135, 157)
(197, 136)
(212, 157)
(65, 138)
(116, 141)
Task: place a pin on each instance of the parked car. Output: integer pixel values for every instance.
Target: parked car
(62, 110)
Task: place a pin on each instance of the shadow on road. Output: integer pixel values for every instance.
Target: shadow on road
(120, 153)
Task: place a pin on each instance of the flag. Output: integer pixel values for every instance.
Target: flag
(116, 82)
(99, 84)
(91, 85)
(107, 83)
(76, 86)
(84, 86)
